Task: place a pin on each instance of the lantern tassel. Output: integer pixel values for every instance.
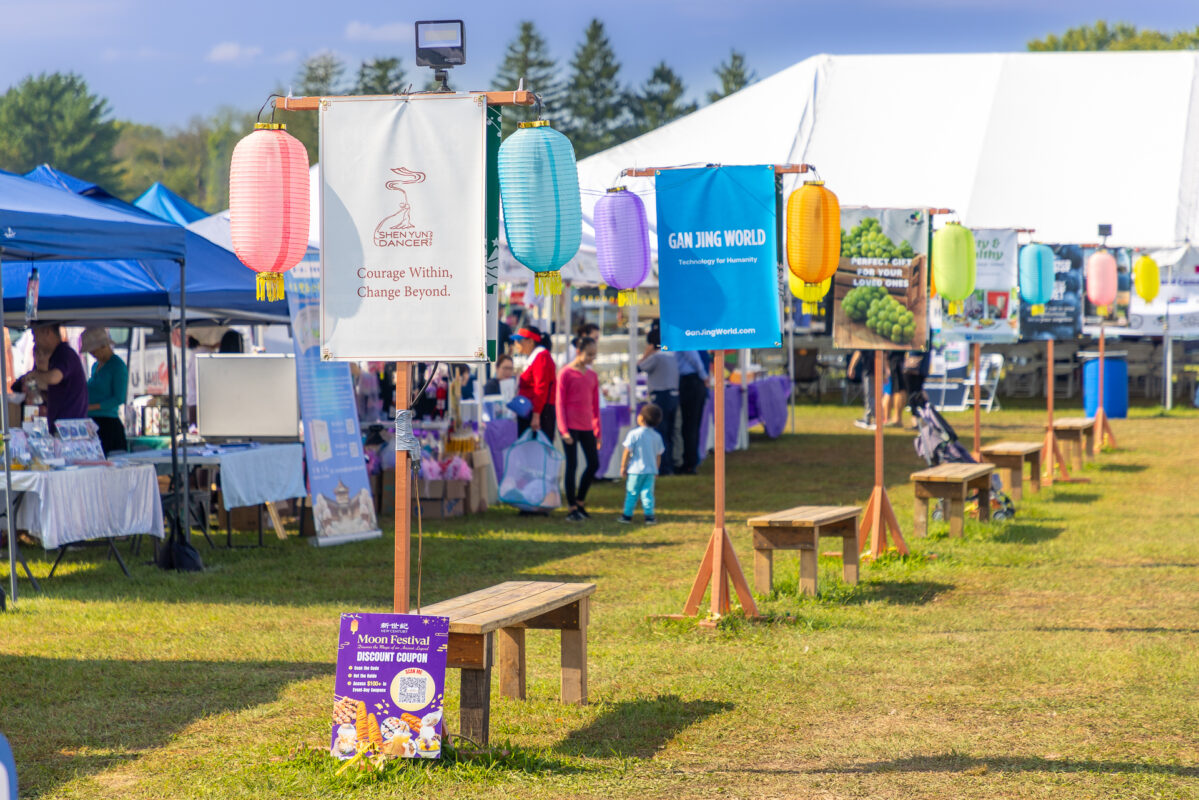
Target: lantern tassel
(1036, 311)
(626, 297)
(269, 286)
(547, 283)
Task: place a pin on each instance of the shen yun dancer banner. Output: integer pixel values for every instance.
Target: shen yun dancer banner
(403, 233)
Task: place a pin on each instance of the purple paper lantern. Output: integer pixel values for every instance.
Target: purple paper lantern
(622, 242)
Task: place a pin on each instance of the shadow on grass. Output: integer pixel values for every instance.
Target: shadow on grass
(74, 709)
(1187, 631)
(1076, 497)
(638, 728)
(1122, 467)
(1027, 533)
(957, 763)
(898, 593)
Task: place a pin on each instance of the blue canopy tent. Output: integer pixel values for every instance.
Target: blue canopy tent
(165, 204)
(40, 223)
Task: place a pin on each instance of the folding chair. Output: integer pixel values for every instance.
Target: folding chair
(989, 370)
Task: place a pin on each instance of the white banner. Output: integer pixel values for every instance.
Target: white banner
(403, 243)
(1177, 302)
(992, 313)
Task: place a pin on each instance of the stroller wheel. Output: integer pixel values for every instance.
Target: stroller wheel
(938, 514)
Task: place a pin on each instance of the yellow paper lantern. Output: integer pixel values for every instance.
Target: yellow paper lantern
(1147, 278)
(810, 293)
(813, 234)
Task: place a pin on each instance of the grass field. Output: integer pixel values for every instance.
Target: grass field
(1050, 656)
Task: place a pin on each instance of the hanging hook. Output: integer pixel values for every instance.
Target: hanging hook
(264, 105)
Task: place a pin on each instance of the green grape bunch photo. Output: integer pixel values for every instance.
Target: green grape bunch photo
(880, 300)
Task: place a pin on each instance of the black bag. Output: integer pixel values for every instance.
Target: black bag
(177, 554)
(913, 362)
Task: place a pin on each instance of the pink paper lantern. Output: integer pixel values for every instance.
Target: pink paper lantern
(1101, 278)
(268, 205)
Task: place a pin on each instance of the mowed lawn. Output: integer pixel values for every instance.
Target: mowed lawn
(1054, 655)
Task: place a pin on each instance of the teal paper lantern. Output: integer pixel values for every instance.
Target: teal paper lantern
(1036, 276)
(539, 188)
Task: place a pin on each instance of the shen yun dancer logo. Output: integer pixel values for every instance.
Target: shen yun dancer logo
(397, 229)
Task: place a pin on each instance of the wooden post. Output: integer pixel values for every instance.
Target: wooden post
(1051, 453)
(880, 517)
(1103, 428)
(403, 504)
(719, 564)
(978, 351)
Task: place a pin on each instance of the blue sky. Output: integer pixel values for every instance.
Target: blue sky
(162, 61)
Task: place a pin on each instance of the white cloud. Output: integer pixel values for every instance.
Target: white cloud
(286, 57)
(232, 51)
(387, 32)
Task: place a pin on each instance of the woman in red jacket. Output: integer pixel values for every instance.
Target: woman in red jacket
(579, 423)
(537, 382)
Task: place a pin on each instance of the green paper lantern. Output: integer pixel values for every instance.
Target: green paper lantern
(954, 257)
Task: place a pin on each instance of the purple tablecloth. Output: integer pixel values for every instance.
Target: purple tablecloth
(767, 407)
(612, 419)
(499, 435)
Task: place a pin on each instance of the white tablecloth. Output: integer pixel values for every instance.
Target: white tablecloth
(249, 475)
(74, 505)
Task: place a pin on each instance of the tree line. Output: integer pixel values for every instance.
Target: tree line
(54, 118)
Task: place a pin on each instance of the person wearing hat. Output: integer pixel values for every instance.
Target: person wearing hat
(59, 372)
(537, 382)
(106, 389)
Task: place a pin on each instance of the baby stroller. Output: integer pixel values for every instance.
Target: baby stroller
(937, 443)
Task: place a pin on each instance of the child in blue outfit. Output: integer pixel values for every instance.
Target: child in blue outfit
(639, 464)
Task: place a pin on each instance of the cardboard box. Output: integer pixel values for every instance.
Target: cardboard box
(245, 518)
(430, 490)
(455, 490)
(476, 490)
(441, 509)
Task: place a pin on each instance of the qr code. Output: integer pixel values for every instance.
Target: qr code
(412, 690)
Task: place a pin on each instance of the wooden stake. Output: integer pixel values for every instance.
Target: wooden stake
(720, 565)
(978, 453)
(403, 504)
(519, 98)
(1103, 427)
(880, 517)
(1051, 453)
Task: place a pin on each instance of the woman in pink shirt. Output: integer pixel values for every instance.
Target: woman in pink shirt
(579, 423)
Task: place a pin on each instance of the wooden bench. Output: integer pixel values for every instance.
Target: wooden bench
(952, 482)
(507, 610)
(1011, 457)
(1073, 431)
(800, 529)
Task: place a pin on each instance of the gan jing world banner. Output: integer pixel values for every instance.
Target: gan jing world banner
(403, 239)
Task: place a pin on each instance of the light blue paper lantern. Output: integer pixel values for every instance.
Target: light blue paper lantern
(539, 189)
(1036, 276)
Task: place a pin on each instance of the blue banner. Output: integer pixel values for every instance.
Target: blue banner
(1061, 318)
(342, 508)
(717, 258)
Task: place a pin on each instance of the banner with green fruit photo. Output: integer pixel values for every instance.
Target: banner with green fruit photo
(880, 289)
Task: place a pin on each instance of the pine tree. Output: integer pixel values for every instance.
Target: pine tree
(733, 76)
(528, 57)
(320, 75)
(596, 115)
(658, 101)
(380, 76)
(54, 119)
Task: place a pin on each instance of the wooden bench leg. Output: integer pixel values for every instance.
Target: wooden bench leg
(1076, 443)
(808, 569)
(920, 523)
(1034, 461)
(474, 717)
(984, 502)
(511, 657)
(763, 571)
(849, 553)
(1015, 481)
(1090, 433)
(574, 660)
(957, 513)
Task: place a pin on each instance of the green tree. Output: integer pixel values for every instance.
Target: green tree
(54, 119)
(528, 57)
(1121, 36)
(225, 129)
(657, 102)
(733, 76)
(380, 76)
(596, 116)
(320, 75)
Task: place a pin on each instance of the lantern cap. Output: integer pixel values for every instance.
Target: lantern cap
(537, 123)
(813, 183)
(270, 126)
(618, 189)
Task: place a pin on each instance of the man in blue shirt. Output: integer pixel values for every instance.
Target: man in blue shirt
(693, 394)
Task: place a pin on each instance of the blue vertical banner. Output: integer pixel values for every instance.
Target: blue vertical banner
(342, 508)
(717, 258)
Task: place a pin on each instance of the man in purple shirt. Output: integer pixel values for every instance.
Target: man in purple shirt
(59, 372)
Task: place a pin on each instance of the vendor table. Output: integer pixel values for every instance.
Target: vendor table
(250, 476)
(69, 506)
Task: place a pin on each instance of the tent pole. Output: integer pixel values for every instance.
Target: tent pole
(187, 518)
(8, 523)
(1168, 376)
(172, 427)
(791, 358)
(633, 322)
